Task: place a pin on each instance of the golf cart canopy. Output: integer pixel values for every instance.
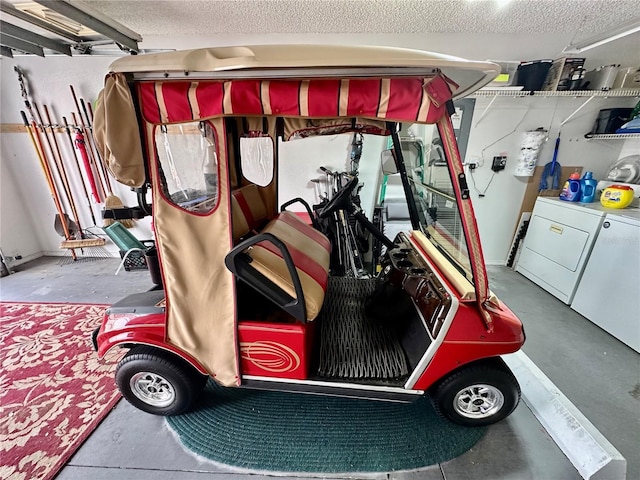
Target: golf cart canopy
(287, 61)
(308, 81)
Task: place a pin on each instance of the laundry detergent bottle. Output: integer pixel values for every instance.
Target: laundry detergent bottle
(571, 190)
(588, 188)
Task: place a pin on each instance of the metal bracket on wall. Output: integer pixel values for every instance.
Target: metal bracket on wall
(486, 110)
(576, 111)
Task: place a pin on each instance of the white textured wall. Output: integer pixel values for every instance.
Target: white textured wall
(498, 210)
(49, 78)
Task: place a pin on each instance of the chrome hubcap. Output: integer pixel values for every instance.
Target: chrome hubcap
(478, 401)
(152, 389)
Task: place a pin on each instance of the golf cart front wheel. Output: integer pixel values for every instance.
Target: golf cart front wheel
(479, 394)
(157, 382)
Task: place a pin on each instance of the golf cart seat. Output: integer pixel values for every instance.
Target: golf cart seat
(287, 261)
(248, 211)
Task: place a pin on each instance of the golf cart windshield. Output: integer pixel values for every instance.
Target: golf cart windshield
(433, 195)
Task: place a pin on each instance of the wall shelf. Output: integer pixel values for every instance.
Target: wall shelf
(611, 136)
(507, 92)
(588, 95)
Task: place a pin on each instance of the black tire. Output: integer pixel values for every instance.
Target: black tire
(481, 393)
(158, 382)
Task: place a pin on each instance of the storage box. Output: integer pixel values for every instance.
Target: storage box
(601, 78)
(135, 260)
(507, 76)
(124, 239)
(560, 73)
(610, 119)
(531, 75)
(628, 77)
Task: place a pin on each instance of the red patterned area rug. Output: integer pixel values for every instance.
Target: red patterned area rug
(53, 389)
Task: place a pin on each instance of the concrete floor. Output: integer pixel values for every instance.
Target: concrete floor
(599, 374)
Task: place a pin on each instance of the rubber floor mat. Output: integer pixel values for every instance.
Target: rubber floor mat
(353, 346)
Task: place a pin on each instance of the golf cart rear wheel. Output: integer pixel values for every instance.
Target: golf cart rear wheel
(481, 393)
(157, 382)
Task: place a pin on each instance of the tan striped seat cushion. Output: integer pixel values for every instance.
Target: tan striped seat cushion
(310, 251)
(248, 211)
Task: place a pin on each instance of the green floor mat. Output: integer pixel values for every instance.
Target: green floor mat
(285, 432)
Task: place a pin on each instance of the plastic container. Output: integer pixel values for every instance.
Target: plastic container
(602, 78)
(122, 237)
(151, 257)
(531, 75)
(610, 119)
(617, 196)
(507, 76)
(588, 188)
(628, 77)
(133, 260)
(571, 190)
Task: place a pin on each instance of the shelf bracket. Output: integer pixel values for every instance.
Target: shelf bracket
(486, 110)
(576, 111)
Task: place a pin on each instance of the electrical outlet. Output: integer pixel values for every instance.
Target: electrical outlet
(499, 163)
(473, 162)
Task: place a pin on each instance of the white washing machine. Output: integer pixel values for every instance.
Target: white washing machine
(558, 243)
(608, 293)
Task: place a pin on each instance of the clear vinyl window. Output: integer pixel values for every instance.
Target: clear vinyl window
(188, 164)
(433, 194)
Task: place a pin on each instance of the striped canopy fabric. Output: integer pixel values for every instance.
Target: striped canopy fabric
(401, 99)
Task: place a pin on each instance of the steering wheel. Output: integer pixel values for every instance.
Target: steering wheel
(341, 200)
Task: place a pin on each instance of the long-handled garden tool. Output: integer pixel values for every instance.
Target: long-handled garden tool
(79, 170)
(58, 163)
(93, 246)
(32, 129)
(97, 187)
(46, 170)
(68, 229)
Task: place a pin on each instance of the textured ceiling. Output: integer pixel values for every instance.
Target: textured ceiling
(577, 18)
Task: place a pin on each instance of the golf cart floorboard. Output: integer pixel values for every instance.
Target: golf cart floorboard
(353, 346)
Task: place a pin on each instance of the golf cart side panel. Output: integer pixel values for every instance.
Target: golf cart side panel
(122, 328)
(132, 329)
(200, 299)
(467, 340)
(274, 349)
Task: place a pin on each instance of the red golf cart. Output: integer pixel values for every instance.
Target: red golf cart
(294, 294)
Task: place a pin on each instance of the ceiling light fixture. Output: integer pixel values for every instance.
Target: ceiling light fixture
(501, 3)
(605, 37)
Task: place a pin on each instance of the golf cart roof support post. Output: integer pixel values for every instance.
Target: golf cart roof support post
(469, 225)
(397, 148)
